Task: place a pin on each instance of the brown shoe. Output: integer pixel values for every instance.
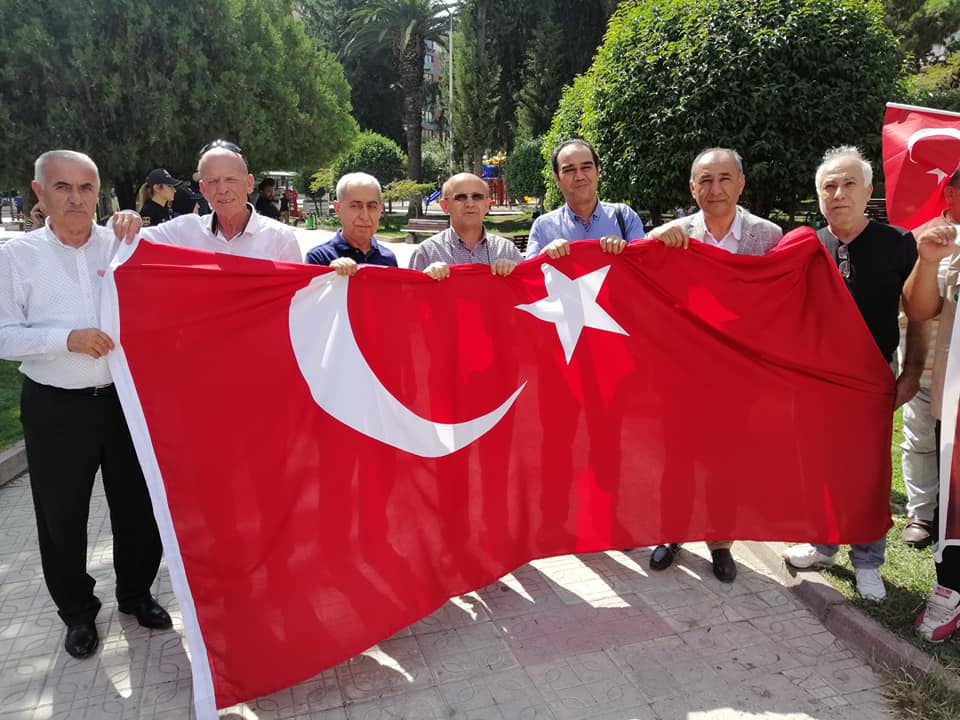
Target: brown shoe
(917, 534)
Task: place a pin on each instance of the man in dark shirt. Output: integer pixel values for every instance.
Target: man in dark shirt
(265, 204)
(874, 260)
(359, 205)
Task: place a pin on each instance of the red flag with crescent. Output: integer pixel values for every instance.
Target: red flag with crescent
(331, 459)
(921, 151)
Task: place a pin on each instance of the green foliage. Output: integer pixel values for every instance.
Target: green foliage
(778, 80)
(435, 162)
(403, 26)
(373, 75)
(321, 182)
(475, 96)
(139, 85)
(407, 190)
(523, 171)
(373, 154)
(922, 25)
(10, 379)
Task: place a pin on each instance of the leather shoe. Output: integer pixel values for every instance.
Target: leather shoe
(724, 568)
(82, 640)
(662, 556)
(916, 534)
(149, 615)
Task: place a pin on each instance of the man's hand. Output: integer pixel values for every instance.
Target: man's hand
(556, 248)
(126, 225)
(89, 341)
(438, 270)
(671, 236)
(345, 267)
(612, 244)
(935, 244)
(908, 385)
(503, 267)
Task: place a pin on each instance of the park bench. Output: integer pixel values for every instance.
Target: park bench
(877, 210)
(521, 242)
(422, 226)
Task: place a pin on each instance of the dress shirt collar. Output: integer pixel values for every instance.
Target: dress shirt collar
(342, 245)
(573, 217)
(52, 236)
(253, 223)
(733, 236)
(454, 235)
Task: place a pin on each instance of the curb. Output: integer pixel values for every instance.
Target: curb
(882, 650)
(13, 462)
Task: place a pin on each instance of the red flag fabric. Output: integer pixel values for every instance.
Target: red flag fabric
(921, 150)
(331, 460)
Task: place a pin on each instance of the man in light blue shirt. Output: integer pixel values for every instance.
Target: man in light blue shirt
(576, 170)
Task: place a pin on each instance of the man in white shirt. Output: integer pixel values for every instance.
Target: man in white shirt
(234, 227)
(73, 425)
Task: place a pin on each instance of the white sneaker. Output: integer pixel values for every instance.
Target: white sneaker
(806, 556)
(870, 584)
(939, 618)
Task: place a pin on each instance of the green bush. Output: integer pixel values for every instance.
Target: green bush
(778, 80)
(374, 154)
(523, 171)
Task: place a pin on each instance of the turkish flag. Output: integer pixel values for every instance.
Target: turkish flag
(330, 460)
(921, 150)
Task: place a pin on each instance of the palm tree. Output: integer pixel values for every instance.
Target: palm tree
(404, 26)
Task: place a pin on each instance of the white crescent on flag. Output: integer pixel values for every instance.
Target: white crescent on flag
(925, 134)
(344, 386)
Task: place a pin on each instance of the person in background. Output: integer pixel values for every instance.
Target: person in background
(155, 196)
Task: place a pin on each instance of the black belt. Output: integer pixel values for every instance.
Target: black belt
(93, 391)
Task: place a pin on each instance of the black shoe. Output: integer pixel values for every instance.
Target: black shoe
(149, 614)
(723, 565)
(662, 556)
(82, 640)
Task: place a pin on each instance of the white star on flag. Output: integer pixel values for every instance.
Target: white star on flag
(571, 305)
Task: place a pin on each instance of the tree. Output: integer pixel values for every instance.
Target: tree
(373, 154)
(476, 83)
(404, 26)
(778, 80)
(373, 75)
(118, 80)
(923, 25)
(523, 171)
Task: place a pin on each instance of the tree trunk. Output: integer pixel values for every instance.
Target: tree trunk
(411, 75)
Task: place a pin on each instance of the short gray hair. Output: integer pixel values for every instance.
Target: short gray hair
(358, 179)
(729, 151)
(842, 151)
(40, 166)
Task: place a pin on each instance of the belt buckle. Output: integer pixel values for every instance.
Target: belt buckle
(100, 390)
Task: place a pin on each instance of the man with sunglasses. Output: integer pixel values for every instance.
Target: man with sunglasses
(234, 227)
(875, 261)
(465, 198)
(583, 216)
(359, 205)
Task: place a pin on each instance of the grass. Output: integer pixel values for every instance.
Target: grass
(10, 430)
(927, 698)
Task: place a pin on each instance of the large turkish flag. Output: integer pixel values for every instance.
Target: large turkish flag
(331, 460)
(921, 150)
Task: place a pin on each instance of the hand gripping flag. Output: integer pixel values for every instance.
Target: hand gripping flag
(921, 150)
(331, 459)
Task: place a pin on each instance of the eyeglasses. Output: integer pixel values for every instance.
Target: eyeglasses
(463, 197)
(843, 254)
(219, 143)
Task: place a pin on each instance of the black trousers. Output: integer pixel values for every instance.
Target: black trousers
(948, 569)
(69, 434)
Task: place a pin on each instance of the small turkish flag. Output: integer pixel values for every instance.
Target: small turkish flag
(331, 459)
(921, 151)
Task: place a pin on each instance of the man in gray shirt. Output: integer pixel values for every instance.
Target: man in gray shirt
(466, 200)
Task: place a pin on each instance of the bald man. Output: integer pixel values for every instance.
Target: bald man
(466, 200)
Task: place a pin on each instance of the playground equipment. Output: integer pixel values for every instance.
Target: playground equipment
(493, 174)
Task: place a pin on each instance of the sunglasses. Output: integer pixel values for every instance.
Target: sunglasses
(219, 143)
(843, 254)
(463, 197)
